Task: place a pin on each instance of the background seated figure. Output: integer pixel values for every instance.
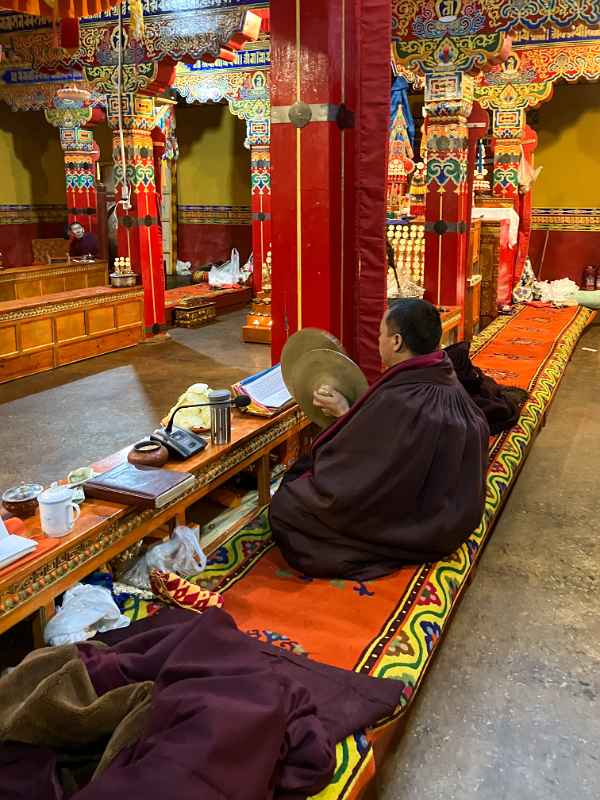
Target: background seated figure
(83, 243)
(400, 476)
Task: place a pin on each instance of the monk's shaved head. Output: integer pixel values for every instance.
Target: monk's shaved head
(418, 323)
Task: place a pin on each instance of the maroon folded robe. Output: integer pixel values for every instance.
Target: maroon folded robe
(399, 479)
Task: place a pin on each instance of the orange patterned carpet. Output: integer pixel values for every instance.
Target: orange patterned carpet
(390, 627)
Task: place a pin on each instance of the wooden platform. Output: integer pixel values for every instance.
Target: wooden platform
(46, 332)
(18, 283)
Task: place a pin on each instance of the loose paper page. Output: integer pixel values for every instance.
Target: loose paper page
(13, 547)
(269, 389)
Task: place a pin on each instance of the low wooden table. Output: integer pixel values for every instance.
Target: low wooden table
(20, 283)
(42, 333)
(104, 530)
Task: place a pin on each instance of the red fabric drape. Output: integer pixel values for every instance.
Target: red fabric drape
(373, 77)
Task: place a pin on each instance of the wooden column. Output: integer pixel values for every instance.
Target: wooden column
(260, 167)
(448, 103)
(139, 237)
(329, 138)
(507, 155)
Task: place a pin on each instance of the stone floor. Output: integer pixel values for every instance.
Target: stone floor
(510, 709)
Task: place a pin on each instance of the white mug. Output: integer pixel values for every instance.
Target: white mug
(58, 512)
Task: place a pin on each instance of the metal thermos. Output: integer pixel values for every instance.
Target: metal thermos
(220, 416)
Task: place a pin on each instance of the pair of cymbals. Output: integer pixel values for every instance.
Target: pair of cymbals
(313, 358)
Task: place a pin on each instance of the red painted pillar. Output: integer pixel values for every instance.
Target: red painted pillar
(448, 100)
(330, 100)
(507, 156)
(81, 155)
(530, 141)
(139, 237)
(260, 167)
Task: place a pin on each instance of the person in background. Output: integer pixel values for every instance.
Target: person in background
(83, 243)
(399, 477)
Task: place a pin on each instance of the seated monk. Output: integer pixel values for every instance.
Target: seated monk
(501, 404)
(83, 243)
(400, 476)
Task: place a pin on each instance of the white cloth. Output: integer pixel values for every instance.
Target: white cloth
(562, 292)
(497, 215)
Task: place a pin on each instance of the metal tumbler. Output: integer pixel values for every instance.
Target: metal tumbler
(220, 416)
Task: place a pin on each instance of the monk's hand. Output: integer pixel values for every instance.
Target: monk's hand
(330, 401)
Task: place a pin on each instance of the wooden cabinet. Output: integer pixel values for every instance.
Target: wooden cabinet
(489, 264)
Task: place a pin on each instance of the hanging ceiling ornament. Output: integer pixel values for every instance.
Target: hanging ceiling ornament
(74, 95)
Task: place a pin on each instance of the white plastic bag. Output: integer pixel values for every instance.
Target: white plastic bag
(228, 273)
(181, 554)
(247, 270)
(86, 610)
(560, 292)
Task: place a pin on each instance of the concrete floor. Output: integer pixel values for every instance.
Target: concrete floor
(56, 421)
(510, 707)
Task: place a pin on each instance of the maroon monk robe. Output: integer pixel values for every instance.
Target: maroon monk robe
(231, 717)
(86, 246)
(398, 479)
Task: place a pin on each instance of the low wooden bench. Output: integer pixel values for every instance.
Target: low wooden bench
(20, 283)
(42, 333)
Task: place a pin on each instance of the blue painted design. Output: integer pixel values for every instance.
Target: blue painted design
(432, 633)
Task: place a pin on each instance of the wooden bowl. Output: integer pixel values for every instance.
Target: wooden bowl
(22, 501)
(148, 454)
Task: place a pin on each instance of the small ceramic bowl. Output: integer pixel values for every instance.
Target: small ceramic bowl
(78, 476)
(22, 501)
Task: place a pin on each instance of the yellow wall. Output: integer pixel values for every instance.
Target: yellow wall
(213, 166)
(569, 148)
(31, 160)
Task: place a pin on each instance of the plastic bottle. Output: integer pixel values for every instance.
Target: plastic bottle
(589, 278)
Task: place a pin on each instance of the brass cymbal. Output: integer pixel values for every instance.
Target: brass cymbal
(326, 368)
(302, 342)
